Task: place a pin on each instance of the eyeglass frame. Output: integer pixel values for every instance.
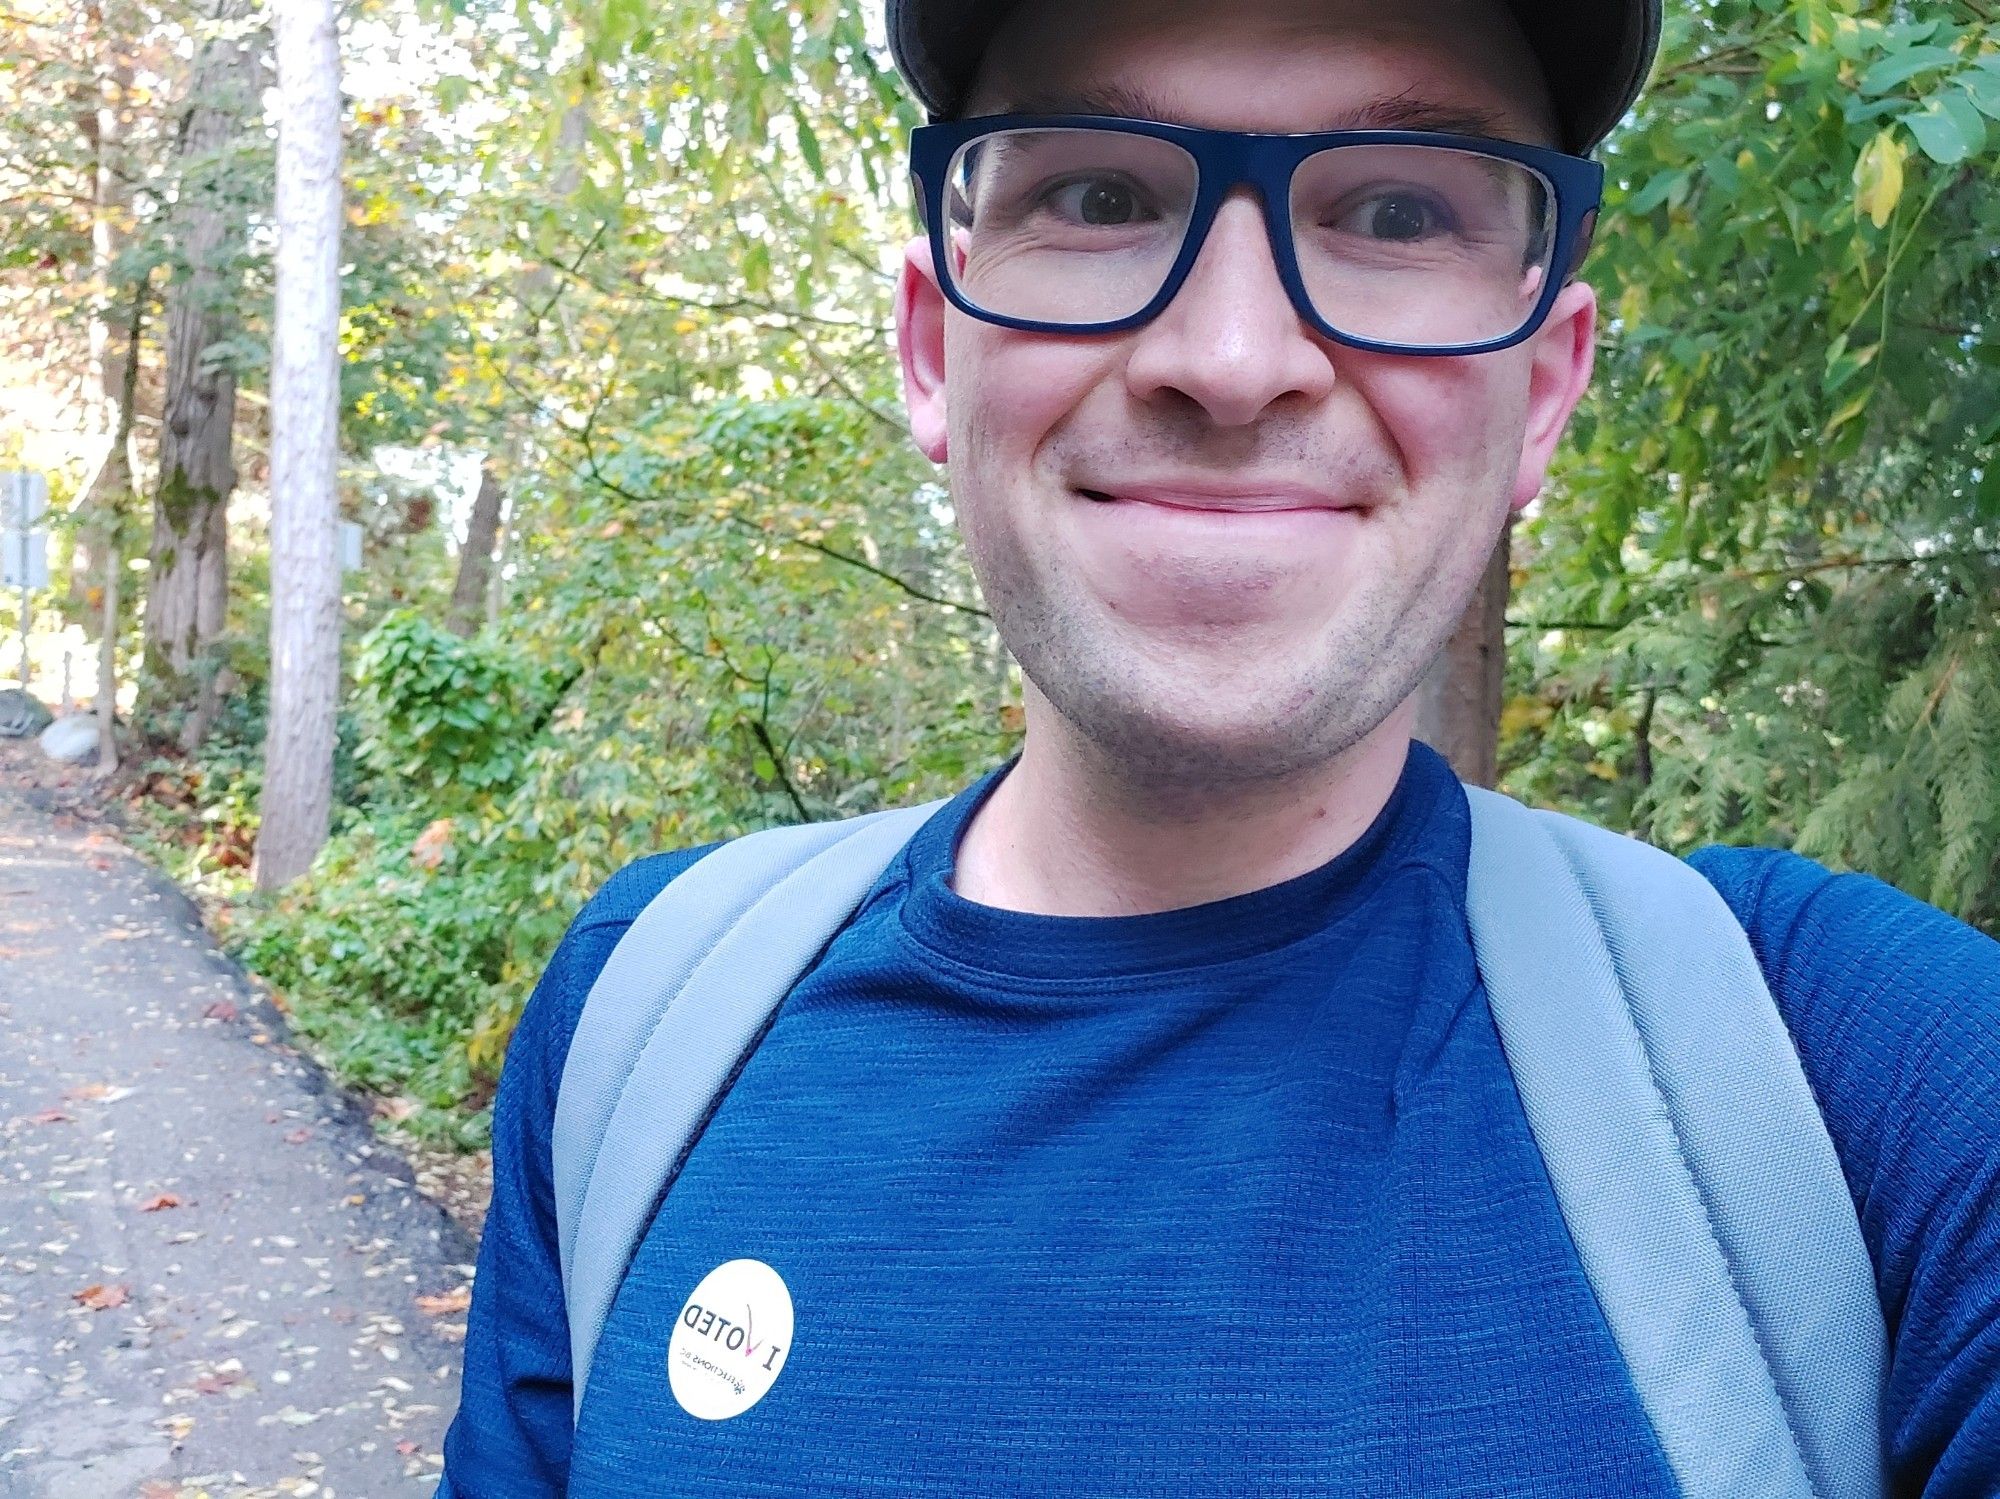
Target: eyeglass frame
(1225, 160)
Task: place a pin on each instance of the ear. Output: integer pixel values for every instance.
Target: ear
(920, 319)
(1561, 355)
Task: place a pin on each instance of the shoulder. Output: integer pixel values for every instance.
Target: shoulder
(1881, 991)
(541, 1039)
(1895, 1010)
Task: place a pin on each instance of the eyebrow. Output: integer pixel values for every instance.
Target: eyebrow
(1398, 112)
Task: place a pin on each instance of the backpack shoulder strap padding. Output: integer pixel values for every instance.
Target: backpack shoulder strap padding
(1690, 1161)
(685, 993)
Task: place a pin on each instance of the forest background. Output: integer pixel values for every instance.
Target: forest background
(647, 559)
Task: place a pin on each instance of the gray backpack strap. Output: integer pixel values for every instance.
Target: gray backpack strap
(1691, 1164)
(685, 994)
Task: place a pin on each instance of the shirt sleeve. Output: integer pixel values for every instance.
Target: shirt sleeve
(511, 1436)
(1895, 1010)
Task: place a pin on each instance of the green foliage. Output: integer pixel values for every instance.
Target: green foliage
(389, 963)
(1761, 602)
(441, 717)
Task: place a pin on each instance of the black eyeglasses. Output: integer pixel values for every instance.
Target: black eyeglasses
(1400, 241)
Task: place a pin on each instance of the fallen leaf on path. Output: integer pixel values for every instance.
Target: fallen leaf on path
(222, 1009)
(159, 1488)
(216, 1383)
(449, 1301)
(298, 1136)
(164, 1200)
(102, 1298)
(97, 1093)
(49, 1116)
(406, 1447)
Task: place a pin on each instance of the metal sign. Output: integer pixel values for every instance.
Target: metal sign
(24, 498)
(350, 546)
(24, 559)
(24, 551)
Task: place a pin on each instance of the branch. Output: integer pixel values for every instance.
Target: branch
(763, 733)
(597, 476)
(1772, 574)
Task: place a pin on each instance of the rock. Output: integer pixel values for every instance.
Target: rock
(21, 716)
(71, 740)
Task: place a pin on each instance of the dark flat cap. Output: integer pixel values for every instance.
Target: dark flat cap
(1594, 53)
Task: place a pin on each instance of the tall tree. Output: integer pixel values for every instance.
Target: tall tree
(305, 400)
(188, 588)
(475, 562)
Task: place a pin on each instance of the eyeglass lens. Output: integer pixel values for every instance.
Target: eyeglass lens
(1414, 245)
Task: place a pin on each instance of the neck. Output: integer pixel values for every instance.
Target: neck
(1066, 835)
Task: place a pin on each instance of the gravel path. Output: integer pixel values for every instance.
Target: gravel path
(214, 1281)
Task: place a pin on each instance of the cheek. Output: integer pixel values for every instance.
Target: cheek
(1457, 425)
(1009, 392)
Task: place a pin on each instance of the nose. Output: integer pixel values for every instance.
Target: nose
(1231, 341)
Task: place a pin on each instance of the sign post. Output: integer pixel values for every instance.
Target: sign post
(24, 551)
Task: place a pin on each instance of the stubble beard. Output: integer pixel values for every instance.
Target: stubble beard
(1141, 721)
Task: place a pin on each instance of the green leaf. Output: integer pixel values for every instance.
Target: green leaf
(1981, 83)
(1949, 130)
(1900, 67)
(1662, 186)
(809, 144)
(1986, 497)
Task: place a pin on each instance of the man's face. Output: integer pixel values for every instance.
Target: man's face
(1223, 548)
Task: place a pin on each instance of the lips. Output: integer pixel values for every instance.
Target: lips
(1273, 498)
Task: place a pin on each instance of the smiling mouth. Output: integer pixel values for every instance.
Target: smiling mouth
(1248, 503)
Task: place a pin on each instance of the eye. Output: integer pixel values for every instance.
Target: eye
(1397, 215)
(1099, 202)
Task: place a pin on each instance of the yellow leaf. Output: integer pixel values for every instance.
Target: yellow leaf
(1878, 177)
(1846, 414)
(685, 325)
(1522, 715)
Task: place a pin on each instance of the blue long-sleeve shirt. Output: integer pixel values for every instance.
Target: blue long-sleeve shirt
(1231, 1200)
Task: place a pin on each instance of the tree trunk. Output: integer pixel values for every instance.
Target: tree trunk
(109, 499)
(107, 667)
(475, 561)
(187, 590)
(110, 348)
(1458, 705)
(305, 519)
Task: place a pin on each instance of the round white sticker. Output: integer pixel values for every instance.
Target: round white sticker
(731, 1341)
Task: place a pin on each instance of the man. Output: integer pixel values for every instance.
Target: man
(1146, 1132)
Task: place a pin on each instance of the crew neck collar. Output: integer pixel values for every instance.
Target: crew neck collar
(1089, 949)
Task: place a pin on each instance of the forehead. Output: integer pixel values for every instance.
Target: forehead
(1272, 65)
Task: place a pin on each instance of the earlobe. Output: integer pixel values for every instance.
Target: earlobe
(1563, 352)
(920, 319)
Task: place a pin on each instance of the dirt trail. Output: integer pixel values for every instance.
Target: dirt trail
(210, 1269)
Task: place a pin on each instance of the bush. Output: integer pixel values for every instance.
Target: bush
(389, 954)
(448, 717)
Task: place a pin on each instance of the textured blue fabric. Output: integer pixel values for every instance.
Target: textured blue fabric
(668, 1022)
(1230, 1200)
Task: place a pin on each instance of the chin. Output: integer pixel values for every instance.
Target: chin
(1196, 733)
